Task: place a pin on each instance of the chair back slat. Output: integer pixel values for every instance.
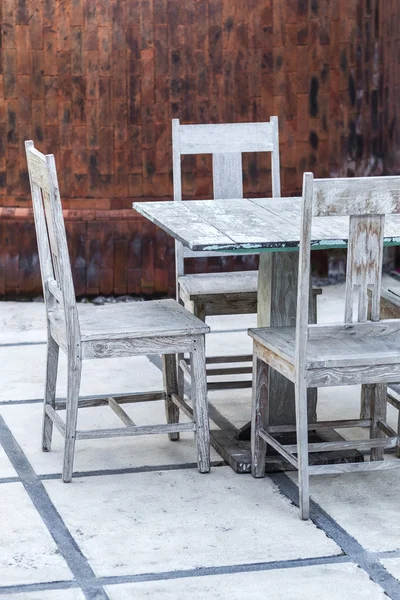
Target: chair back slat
(58, 288)
(226, 143)
(226, 137)
(364, 266)
(356, 196)
(227, 175)
(38, 171)
(366, 201)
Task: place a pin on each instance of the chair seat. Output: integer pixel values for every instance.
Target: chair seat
(214, 284)
(156, 318)
(208, 285)
(335, 350)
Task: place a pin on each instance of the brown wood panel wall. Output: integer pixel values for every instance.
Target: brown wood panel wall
(97, 83)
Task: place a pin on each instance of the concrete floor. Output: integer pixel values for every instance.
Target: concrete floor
(139, 521)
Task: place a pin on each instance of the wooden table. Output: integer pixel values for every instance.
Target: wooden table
(270, 227)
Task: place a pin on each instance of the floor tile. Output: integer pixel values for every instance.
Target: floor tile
(234, 406)
(28, 553)
(22, 322)
(325, 582)
(392, 565)
(162, 521)
(25, 422)
(22, 373)
(6, 468)
(364, 504)
(72, 594)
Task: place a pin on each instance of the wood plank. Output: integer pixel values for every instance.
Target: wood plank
(57, 420)
(283, 450)
(346, 445)
(280, 229)
(227, 175)
(170, 383)
(247, 224)
(179, 220)
(182, 405)
(356, 196)
(88, 401)
(356, 330)
(289, 210)
(322, 425)
(353, 375)
(226, 137)
(92, 434)
(364, 266)
(125, 418)
(387, 430)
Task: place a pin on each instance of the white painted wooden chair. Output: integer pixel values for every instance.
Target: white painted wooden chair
(231, 293)
(158, 327)
(353, 352)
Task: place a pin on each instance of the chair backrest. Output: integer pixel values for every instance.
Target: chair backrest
(366, 201)
(226, 142)
(55, 267)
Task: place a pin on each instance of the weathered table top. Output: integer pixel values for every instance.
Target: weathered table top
(250, 224)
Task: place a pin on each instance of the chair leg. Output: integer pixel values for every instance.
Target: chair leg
(74, 381)
(259, 415)
(180, 376)
(378, 412)
(199, 311)
(302, 448)
(200, 404)
(50, 391)
(366, 393)
(398, 436)
(171, 387)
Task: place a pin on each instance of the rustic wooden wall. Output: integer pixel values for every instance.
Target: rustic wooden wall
(97, 83)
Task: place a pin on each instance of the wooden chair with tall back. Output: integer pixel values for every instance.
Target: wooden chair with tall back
(158, 327)
(231, 293)
(354, 352)
(390, 309)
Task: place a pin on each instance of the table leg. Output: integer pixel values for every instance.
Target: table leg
(277, 303)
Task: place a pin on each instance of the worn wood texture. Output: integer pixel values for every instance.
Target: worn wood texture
(159, 327)
(389, 309)
(366, 352)
(259, 414)
(98, 82)
(170, 380)
(250, 225)
(231, 293)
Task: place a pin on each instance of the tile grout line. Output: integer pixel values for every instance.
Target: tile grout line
(92, 586)
(65, 542)
(366, 560)
(121, 471)
(354, 552)
(186, 573)
(18, 344)
(18, 588)
(198, 572)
